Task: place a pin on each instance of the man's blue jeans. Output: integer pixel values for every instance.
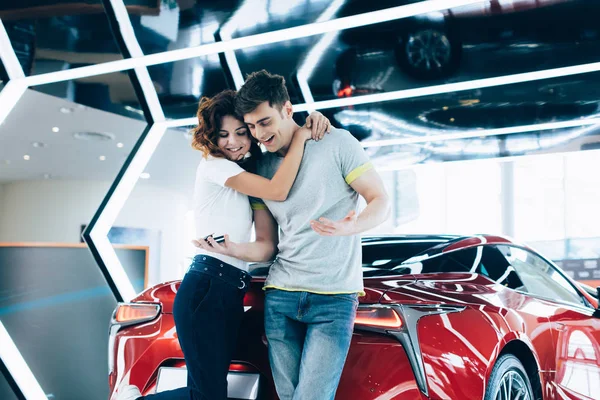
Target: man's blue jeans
(309, 336)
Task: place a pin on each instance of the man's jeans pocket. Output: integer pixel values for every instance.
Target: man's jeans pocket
(352, 297)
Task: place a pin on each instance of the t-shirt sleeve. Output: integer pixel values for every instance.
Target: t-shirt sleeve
(218, 170)
(353, 158)
(257, 204)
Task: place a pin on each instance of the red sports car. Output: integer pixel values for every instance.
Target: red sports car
(444, 317)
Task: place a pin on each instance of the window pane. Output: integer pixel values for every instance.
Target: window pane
(584, 248)
(454, 198)
(539, 198)
(552, 249)
(428, 212)
(540, 278)
(473, 198)
(582, 195)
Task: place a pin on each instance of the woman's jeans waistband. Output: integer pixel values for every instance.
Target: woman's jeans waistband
(216, 268)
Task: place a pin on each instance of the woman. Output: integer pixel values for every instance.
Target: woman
(208, 307)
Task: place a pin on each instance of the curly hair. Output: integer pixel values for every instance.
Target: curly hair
(210, 113)
(206, 134)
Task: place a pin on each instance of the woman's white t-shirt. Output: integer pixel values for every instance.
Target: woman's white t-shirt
(220, 210)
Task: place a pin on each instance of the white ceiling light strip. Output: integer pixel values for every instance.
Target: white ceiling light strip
(9, 96)
(451, 87)
(115, 204)
(99, 232)
(135, 50)
(500, 159)
(18, 368)
(314, 55)
(464, 134)
(226, 33)
(9, 58)
(112, 263)
(517, 146)
(433, 90)
(297, 32)
(150, 94)
(475, 133)
(176, 123)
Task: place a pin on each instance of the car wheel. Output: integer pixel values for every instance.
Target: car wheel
(428, 53)
(509, 381)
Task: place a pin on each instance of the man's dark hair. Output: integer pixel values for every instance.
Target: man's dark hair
(259, 87)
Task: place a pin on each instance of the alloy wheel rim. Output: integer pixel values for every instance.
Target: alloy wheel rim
(428, 49)
(512, 387)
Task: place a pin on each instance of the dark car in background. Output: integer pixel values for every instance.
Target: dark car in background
(431, 46)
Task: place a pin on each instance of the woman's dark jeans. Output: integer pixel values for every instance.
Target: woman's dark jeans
(208, 310)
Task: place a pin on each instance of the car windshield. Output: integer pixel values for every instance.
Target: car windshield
(387, 258)
(590, 290)
(397, 260)
(457, 261)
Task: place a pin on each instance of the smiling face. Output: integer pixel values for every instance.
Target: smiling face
(233, 138)
(271, 127)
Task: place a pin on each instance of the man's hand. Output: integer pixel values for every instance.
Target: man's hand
(227, 248)
(318, 124)
(343, 227)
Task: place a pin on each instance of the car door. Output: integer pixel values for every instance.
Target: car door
(575, 332)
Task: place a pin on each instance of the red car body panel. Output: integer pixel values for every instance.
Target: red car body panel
(458, 349)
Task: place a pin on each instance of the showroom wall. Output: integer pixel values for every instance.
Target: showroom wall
(48, 211)
(54, 211)
(1, 200)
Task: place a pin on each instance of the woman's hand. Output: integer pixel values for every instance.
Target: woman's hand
(318, 124)
(209, 244)
(303, 134)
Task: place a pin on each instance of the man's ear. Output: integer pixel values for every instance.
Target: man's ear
(288, 109)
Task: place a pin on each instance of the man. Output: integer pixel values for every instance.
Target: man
(313, 285)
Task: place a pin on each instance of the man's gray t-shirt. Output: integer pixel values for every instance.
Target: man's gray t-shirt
(307, 261)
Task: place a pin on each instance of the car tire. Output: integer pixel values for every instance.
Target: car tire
(428, 53)
(509, 372)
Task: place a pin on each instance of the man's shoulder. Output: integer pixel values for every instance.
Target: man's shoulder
(340, 134)
(339, 137)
